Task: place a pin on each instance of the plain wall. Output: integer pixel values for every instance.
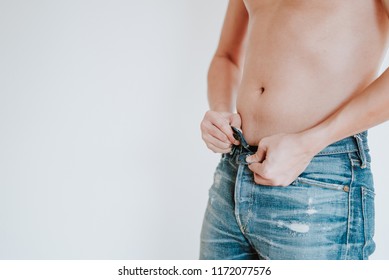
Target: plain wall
(100, 149)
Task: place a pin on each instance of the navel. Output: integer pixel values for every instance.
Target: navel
(261, 90)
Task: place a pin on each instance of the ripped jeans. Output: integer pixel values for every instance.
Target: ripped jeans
(326, 213)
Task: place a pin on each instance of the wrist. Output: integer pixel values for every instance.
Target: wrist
(221, 108)
(315, 139)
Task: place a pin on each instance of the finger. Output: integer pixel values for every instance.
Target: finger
(215, 132)
(259, 156)
(230, 136)
(262, 181)
(236, 121)
(262, 169)
(225, 127)
(259, 174)
(216, 142)
(274, 182)
(253, 159)
(255, 167)
(263, 175)
(217, 149)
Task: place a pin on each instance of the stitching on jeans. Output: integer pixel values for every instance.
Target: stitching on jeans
(364, 216)
(364, 193)
(357, 162)
(349, 208)
(318, 184)
(250, 210)
(237, 195)
(337, 152)
(341, 152)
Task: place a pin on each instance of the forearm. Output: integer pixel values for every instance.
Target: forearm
(223, 81)
(365, 110)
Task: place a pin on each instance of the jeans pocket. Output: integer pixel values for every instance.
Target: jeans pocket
(368, 221)
(308, 182)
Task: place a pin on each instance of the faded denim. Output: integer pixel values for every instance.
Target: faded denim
(326, 213)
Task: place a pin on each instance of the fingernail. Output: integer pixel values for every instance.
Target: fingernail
(251, 159)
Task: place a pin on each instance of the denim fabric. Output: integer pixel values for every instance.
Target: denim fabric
(326, 213)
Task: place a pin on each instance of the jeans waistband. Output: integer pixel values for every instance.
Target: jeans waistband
(356, 143)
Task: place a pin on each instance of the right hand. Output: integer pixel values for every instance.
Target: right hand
(216, 130)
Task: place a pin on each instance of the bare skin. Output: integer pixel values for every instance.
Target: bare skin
(301, 74)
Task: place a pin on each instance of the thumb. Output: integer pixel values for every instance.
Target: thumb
(258, 157)
(235, 121)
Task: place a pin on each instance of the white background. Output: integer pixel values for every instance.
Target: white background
(100, 149)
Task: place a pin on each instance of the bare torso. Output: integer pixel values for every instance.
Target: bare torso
(304, 59)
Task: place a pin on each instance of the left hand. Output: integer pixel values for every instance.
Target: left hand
(280, 159)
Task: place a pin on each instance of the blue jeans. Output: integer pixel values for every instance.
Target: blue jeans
(326, 213)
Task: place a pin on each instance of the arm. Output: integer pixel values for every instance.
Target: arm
(225, 70)
(223, 80)
(362, 112)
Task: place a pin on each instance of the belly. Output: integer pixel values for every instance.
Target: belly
(301, 65)
(286, 106)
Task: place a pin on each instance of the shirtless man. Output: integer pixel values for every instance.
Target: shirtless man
(302, 76)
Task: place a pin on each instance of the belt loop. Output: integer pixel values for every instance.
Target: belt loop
(361, 150)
